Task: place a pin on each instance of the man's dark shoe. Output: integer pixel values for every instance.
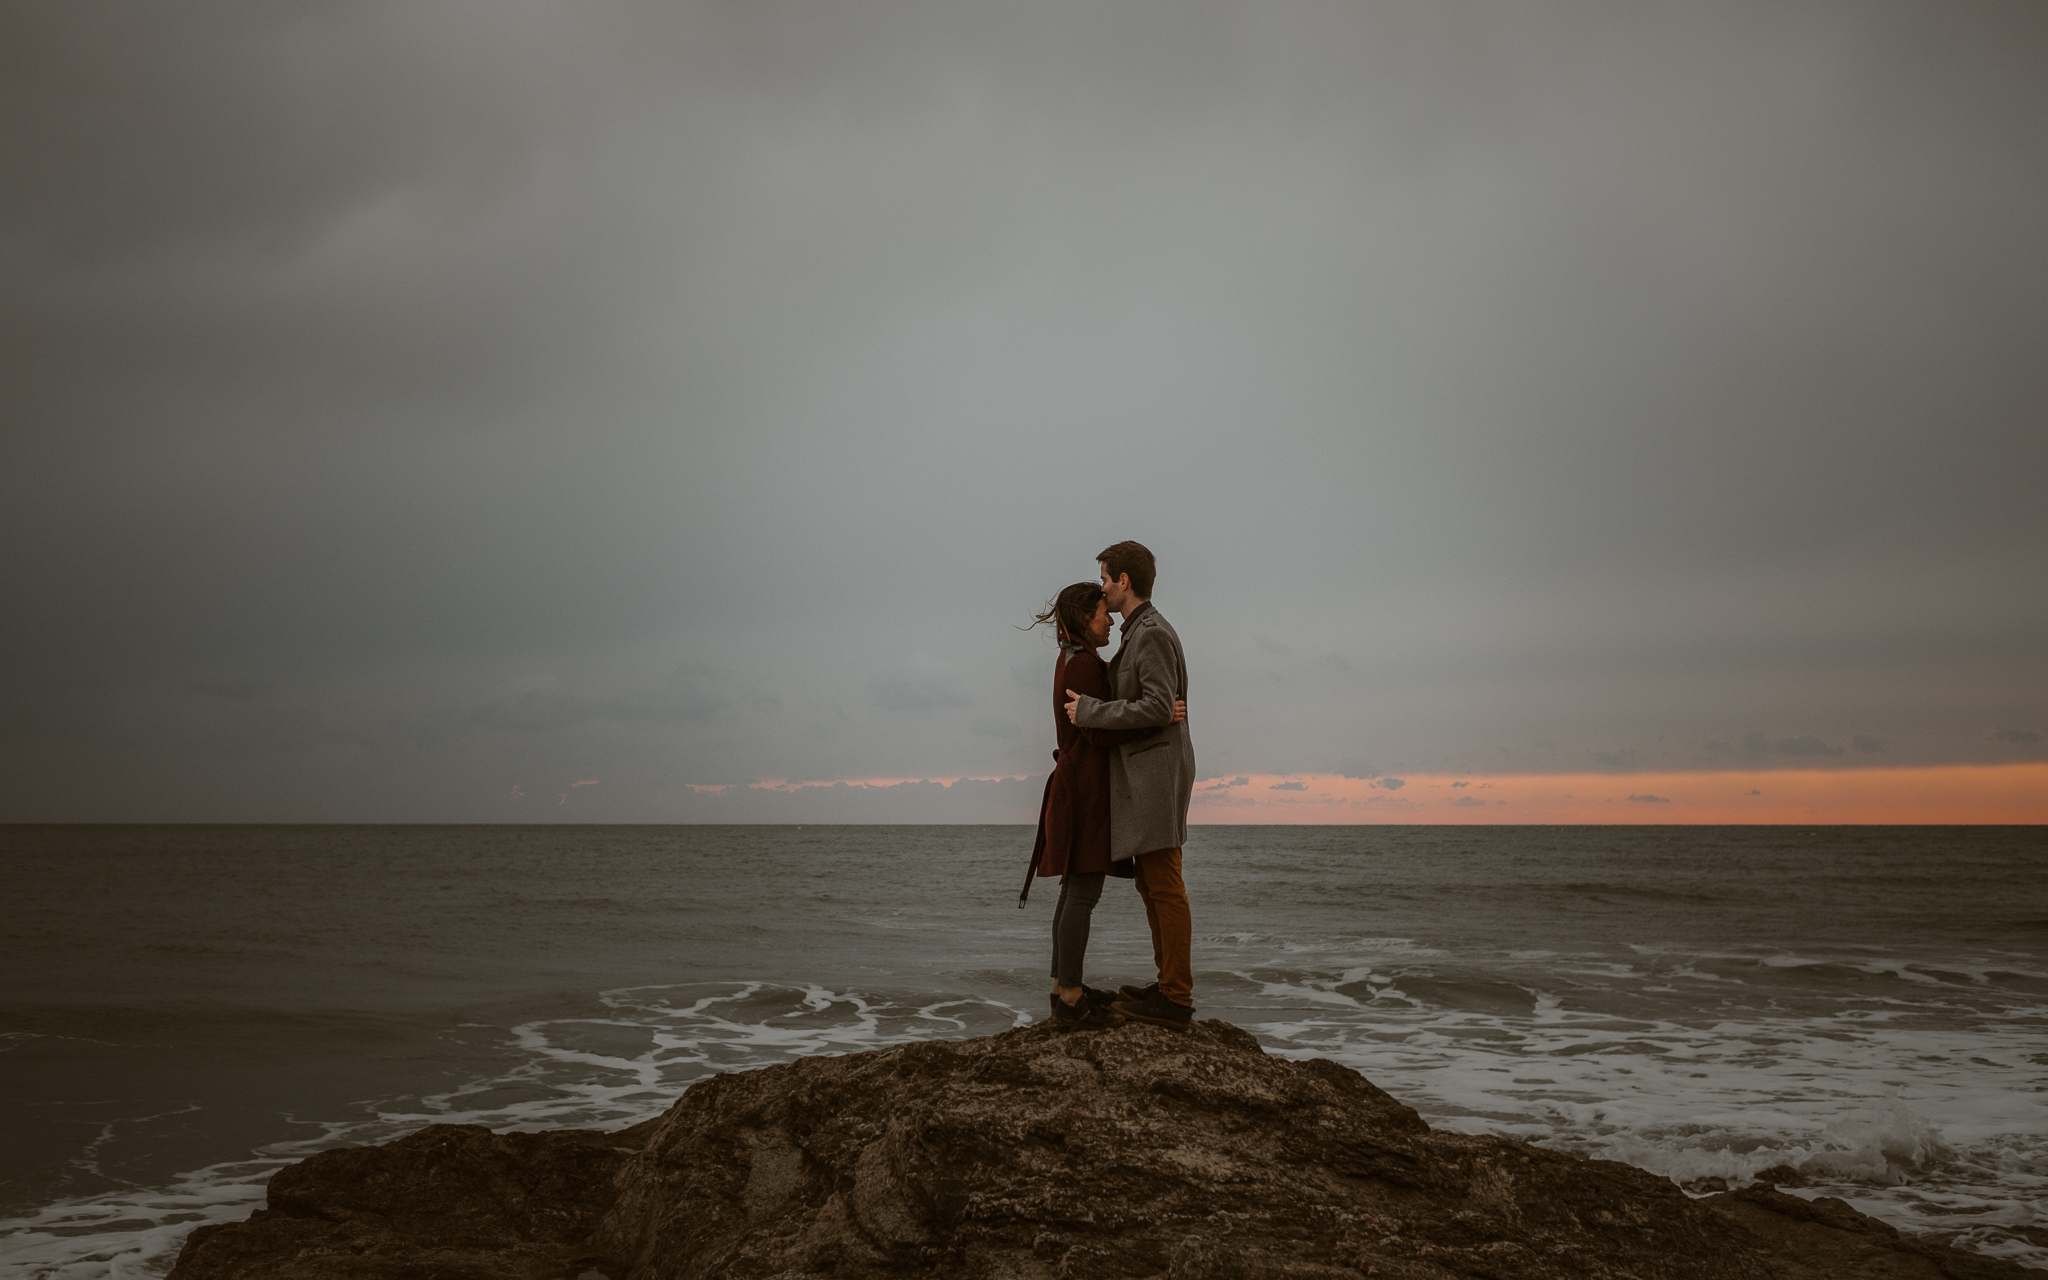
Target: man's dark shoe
(1137, 994)
(1157, 1009)
(1084, 1015)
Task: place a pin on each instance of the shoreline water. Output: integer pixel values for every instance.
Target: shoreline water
(1891, 1047)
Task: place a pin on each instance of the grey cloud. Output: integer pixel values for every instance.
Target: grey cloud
(538, 704)
(1288, 786)
(2018, 737)
(1461, 783)
(231, 689)
(1623, 758)
(360, 358)
(917, 683)
(967, 800)
(1864, 744)
(1468, 802)
(1356, 768)
(1646, 798)
(1756, 747)
(1805, 745)
(1390, 784)
(994, 727)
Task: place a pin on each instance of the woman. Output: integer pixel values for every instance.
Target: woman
(1073, 820)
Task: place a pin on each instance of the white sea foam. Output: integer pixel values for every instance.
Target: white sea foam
(1912, 1107)
(1918, 1110)
(1867, 1007)
(606, 1070)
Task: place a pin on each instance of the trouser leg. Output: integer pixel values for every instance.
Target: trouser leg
(1166, 910)
(1070, 920)
(1152, 923)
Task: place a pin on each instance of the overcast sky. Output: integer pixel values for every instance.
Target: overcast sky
(413, 409)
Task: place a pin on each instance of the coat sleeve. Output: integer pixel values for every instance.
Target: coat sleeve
(1151, 661)
(1091, 680)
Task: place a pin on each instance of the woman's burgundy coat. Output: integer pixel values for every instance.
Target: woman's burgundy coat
(1073, 819)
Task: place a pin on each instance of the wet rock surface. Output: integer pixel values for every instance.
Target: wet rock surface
(1034, 1153)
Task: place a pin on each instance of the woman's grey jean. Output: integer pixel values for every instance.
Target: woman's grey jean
(1078, 895)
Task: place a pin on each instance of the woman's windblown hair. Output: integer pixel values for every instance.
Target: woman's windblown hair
(1070, 611)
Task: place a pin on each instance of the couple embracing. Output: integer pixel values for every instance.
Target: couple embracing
(1117, 801)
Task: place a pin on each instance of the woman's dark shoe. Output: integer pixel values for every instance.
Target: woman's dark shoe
(1103, 998)
(1084, 1015)
(1157, 1009)
(1138, 995)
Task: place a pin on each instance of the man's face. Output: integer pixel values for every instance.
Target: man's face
(1116, 592)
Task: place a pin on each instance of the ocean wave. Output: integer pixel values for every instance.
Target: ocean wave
(1919, 1111)
(608, 1069)
(1912, 1107)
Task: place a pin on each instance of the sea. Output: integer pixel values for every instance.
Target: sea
(184, 1009)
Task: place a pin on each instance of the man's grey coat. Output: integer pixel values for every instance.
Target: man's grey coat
(1152, 778)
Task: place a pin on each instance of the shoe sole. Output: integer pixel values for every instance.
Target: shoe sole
(1135, 1016)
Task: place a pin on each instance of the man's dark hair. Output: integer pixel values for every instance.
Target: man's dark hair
(1131, 558)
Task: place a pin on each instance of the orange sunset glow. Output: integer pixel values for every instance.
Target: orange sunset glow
(2000, 793)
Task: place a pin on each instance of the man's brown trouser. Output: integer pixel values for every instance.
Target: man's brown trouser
(1166, 910)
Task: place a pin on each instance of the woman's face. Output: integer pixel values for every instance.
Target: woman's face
(1098, 626)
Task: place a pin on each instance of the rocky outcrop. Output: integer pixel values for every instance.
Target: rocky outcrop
(450, 1202)
(1035, 1153)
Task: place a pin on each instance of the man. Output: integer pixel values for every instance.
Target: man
(1150, 780)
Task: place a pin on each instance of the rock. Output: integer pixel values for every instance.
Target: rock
(1032, 1154)
(1824, 1237)
(449, 1202)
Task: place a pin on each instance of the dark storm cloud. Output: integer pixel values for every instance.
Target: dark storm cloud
(994, 727)
(1806, 745)
(400, 395)
(538, 707)
(917, 683)
(1757, 747)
